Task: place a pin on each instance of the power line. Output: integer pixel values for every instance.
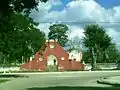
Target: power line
(69, 22)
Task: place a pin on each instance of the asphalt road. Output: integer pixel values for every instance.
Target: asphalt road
(58, 81)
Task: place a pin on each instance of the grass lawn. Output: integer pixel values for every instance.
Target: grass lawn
(3, 80)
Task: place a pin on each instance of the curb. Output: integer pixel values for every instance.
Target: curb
(60, 72)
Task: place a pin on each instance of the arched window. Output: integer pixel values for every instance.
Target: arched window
(40, 58)
(62, 58)
(52, 46)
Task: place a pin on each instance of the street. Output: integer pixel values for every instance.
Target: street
(66, 80)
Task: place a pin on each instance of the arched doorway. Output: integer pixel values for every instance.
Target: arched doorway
(52, 63)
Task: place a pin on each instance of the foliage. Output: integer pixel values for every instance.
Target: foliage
(74, 44)
(112, 53)
(97, 42)
(8, 6)
(19, 39)
(59, 32)
(71, 49)
(86, 56)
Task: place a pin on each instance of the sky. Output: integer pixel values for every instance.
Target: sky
(77, 13)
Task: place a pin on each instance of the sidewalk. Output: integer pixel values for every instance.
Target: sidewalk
(114, 81)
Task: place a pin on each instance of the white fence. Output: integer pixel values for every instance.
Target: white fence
(102, 66)
(9, 69)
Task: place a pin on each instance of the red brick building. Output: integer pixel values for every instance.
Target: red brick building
(52, 54)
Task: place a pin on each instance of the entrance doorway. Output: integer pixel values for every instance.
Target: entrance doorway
(52, 63)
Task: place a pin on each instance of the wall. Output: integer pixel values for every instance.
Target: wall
(75, 55)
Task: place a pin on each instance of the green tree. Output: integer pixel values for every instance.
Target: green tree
(22, 41)
(113, 54)
(97, 42)
(74, 44)
(59, 32)
(19, 37)
(86, 56)
(8, 6)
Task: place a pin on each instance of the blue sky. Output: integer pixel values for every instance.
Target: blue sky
(62, 6)
(103, 3)
(81, 11)
(108, 3)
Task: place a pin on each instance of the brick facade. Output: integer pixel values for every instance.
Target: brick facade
(52, 48)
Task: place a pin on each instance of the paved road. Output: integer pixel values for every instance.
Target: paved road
(76, 80)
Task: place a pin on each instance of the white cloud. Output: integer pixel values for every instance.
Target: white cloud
(43, 9)
(44, 27)
(55, 16)
(84, 10)
(76, 31)
(115, 36)
(80, 11)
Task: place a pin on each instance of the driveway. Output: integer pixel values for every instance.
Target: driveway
(73, 80)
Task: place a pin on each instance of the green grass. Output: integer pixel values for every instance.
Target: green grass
(3, 80)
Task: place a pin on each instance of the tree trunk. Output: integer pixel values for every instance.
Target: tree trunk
(22, 60)
(94, 66)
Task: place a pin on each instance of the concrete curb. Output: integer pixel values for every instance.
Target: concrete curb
(108, 81)
(61, 72)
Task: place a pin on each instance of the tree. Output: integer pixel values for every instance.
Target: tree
(113, 54)
(86, 56)
(97, 42)
(19, 37)
(59, 32)
(74, 44)
(8, 6)
(21, 42)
